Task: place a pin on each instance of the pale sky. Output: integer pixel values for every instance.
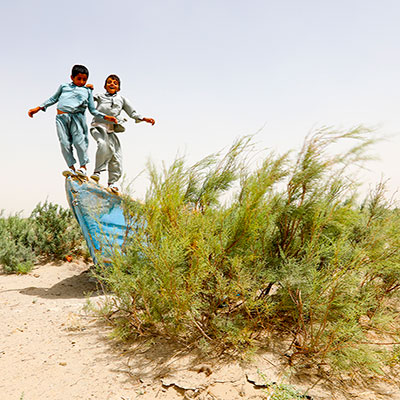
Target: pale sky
(207, 71)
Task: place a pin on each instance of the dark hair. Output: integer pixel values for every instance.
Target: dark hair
(113, 76)
(79, 69)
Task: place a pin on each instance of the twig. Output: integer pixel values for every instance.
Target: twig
(201, 330)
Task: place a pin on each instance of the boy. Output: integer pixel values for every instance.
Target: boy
(73, 99)
(108, 153)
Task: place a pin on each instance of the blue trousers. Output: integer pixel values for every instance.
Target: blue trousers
(72, 132)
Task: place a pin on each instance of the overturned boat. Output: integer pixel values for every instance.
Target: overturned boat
(100, 216)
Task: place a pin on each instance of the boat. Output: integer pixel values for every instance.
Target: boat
(100, 215)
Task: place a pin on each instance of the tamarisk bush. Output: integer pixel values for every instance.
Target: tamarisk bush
(292, 253)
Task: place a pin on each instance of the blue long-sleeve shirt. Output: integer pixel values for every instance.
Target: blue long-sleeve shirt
(73, 99)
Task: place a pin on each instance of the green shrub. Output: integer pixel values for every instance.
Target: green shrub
(16, 244)
(283, 392)
(292, 253)
(57, 233)
(50, 233)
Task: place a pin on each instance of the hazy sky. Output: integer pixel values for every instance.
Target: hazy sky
(208, 71)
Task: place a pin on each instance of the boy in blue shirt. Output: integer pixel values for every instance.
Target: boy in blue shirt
(73, 98)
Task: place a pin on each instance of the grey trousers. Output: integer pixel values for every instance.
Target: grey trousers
(108, 154)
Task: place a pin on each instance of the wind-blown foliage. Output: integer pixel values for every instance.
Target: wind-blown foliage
(293, 252)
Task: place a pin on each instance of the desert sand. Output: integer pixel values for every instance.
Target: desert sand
(52, 348)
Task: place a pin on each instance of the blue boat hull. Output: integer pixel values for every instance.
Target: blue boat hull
(100, 216)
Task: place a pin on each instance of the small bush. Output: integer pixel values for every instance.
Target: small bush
(50, 233)
(16, 244)
(283, 392)
(57, 233)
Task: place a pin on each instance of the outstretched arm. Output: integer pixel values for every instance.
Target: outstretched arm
(52, 100)
(49, 102)
(127, 107)
(92, 107)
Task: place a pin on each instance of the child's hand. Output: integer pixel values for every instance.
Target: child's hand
(90, 86)
(111, 119)
(33, 111)
(149, 120)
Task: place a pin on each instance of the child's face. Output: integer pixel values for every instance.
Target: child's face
(112, 85)
(79, 80)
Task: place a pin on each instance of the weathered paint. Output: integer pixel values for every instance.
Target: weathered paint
(100, 216)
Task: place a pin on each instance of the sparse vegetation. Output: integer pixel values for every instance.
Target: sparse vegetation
(283, 392)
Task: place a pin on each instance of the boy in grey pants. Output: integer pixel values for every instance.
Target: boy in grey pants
(108, 154)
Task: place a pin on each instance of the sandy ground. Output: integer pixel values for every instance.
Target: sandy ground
(50, 348)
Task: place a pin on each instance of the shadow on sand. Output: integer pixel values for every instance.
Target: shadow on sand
(77, 286)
